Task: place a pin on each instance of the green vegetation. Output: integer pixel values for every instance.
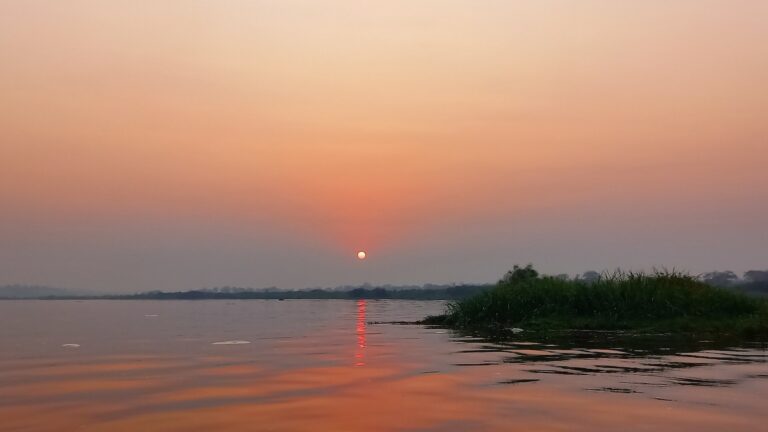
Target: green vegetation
(658, 302)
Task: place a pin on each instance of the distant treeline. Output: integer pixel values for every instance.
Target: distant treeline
(753, 282)
(33, 292)
(452, 292)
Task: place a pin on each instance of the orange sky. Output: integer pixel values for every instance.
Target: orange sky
(453, 138)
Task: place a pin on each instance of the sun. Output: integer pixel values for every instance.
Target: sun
(361, 255)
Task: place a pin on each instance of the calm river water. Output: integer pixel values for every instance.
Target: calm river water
(320, 365)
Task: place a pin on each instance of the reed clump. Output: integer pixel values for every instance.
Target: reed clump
(666, 301)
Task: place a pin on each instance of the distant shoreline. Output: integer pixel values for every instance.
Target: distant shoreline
(450, 293)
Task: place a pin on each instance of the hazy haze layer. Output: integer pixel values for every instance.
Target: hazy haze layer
(182, 144)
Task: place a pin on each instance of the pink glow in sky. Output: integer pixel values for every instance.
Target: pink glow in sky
(182, 144)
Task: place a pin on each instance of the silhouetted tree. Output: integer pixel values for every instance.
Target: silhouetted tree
(519, 274)
(720, 278)
(756, 276)
(590, 276)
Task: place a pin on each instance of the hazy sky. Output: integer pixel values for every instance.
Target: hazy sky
(184, 144)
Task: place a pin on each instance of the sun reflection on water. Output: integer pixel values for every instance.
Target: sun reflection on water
(360, 330)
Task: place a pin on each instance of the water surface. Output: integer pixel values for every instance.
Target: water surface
(321, 365)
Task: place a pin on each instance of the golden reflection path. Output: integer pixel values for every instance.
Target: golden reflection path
(360, 330)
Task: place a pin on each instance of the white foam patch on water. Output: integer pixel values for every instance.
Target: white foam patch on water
(70, 345)
(232, 342)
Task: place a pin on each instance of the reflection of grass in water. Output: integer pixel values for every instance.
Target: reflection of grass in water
(645, 352)
(660, 302)
(614, 390)
(700, 382)
(661, 359)
(519, 381)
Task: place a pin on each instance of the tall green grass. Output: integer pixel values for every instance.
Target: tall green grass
(664, 301)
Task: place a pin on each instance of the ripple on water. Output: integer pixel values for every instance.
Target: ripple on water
(232, 342)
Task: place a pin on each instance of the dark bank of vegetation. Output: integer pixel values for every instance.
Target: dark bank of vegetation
(659, 302)
(431, 292)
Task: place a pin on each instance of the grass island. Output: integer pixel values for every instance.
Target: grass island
(660, 302)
